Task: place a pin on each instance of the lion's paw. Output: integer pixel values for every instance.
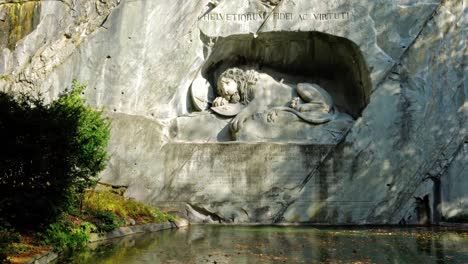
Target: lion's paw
(272, 116)
(238, 122)
(220, 101)
(295, 103)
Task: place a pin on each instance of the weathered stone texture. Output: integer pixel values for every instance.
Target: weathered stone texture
(237, 182)
(136, 157)
(140, 57)
(416, 119)
(455, 186)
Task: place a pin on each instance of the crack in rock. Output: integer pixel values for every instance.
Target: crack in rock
(197, 213)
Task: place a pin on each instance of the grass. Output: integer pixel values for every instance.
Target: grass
(98, 203)
(102, 211)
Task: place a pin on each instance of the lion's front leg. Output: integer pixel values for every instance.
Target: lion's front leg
(238, 122)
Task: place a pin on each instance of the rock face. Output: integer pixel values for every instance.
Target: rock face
(237, 182)
(17, 21)
(396, 69)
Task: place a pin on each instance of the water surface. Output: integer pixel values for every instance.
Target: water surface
(238, 244)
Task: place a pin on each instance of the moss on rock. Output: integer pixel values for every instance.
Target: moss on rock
(19, 19)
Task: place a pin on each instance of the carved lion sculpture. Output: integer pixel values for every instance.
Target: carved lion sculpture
(259, 92)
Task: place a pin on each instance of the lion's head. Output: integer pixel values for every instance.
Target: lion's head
(245, 81)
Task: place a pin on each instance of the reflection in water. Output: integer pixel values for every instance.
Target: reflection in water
(237, 244)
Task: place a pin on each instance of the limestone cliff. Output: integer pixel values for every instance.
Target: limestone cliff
(139, 58)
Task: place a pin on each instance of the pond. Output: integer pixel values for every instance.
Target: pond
(266, 244)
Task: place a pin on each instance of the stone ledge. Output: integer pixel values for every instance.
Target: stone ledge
(130, 230)
(43, 258)
(457, 225)
(119, 232)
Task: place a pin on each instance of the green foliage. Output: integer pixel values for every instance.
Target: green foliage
(50, 154)
(106, 221)
(7, 238)
(64, 235)
(159, 216)
(20, 248)
(96, 202)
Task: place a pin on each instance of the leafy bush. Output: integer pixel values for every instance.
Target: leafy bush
(7, 238)
(106, 221)
(64, 235)
(50, 154)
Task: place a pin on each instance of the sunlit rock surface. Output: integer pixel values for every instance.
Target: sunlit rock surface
(139, 59)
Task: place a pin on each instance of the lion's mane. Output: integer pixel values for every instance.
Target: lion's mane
(246, 81)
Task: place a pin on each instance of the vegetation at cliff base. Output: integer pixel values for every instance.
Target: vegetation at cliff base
(50, 154)
(50, 158)
(109, 210)
(7, 238)
(65, 234)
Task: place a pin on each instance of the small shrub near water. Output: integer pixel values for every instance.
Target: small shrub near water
(106, 221)
(64, 235)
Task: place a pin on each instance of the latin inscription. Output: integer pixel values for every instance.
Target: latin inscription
(325, 16)
(258, 167)
(243, 172)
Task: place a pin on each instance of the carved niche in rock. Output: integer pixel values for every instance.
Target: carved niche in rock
(244, 92)
(312, 93)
